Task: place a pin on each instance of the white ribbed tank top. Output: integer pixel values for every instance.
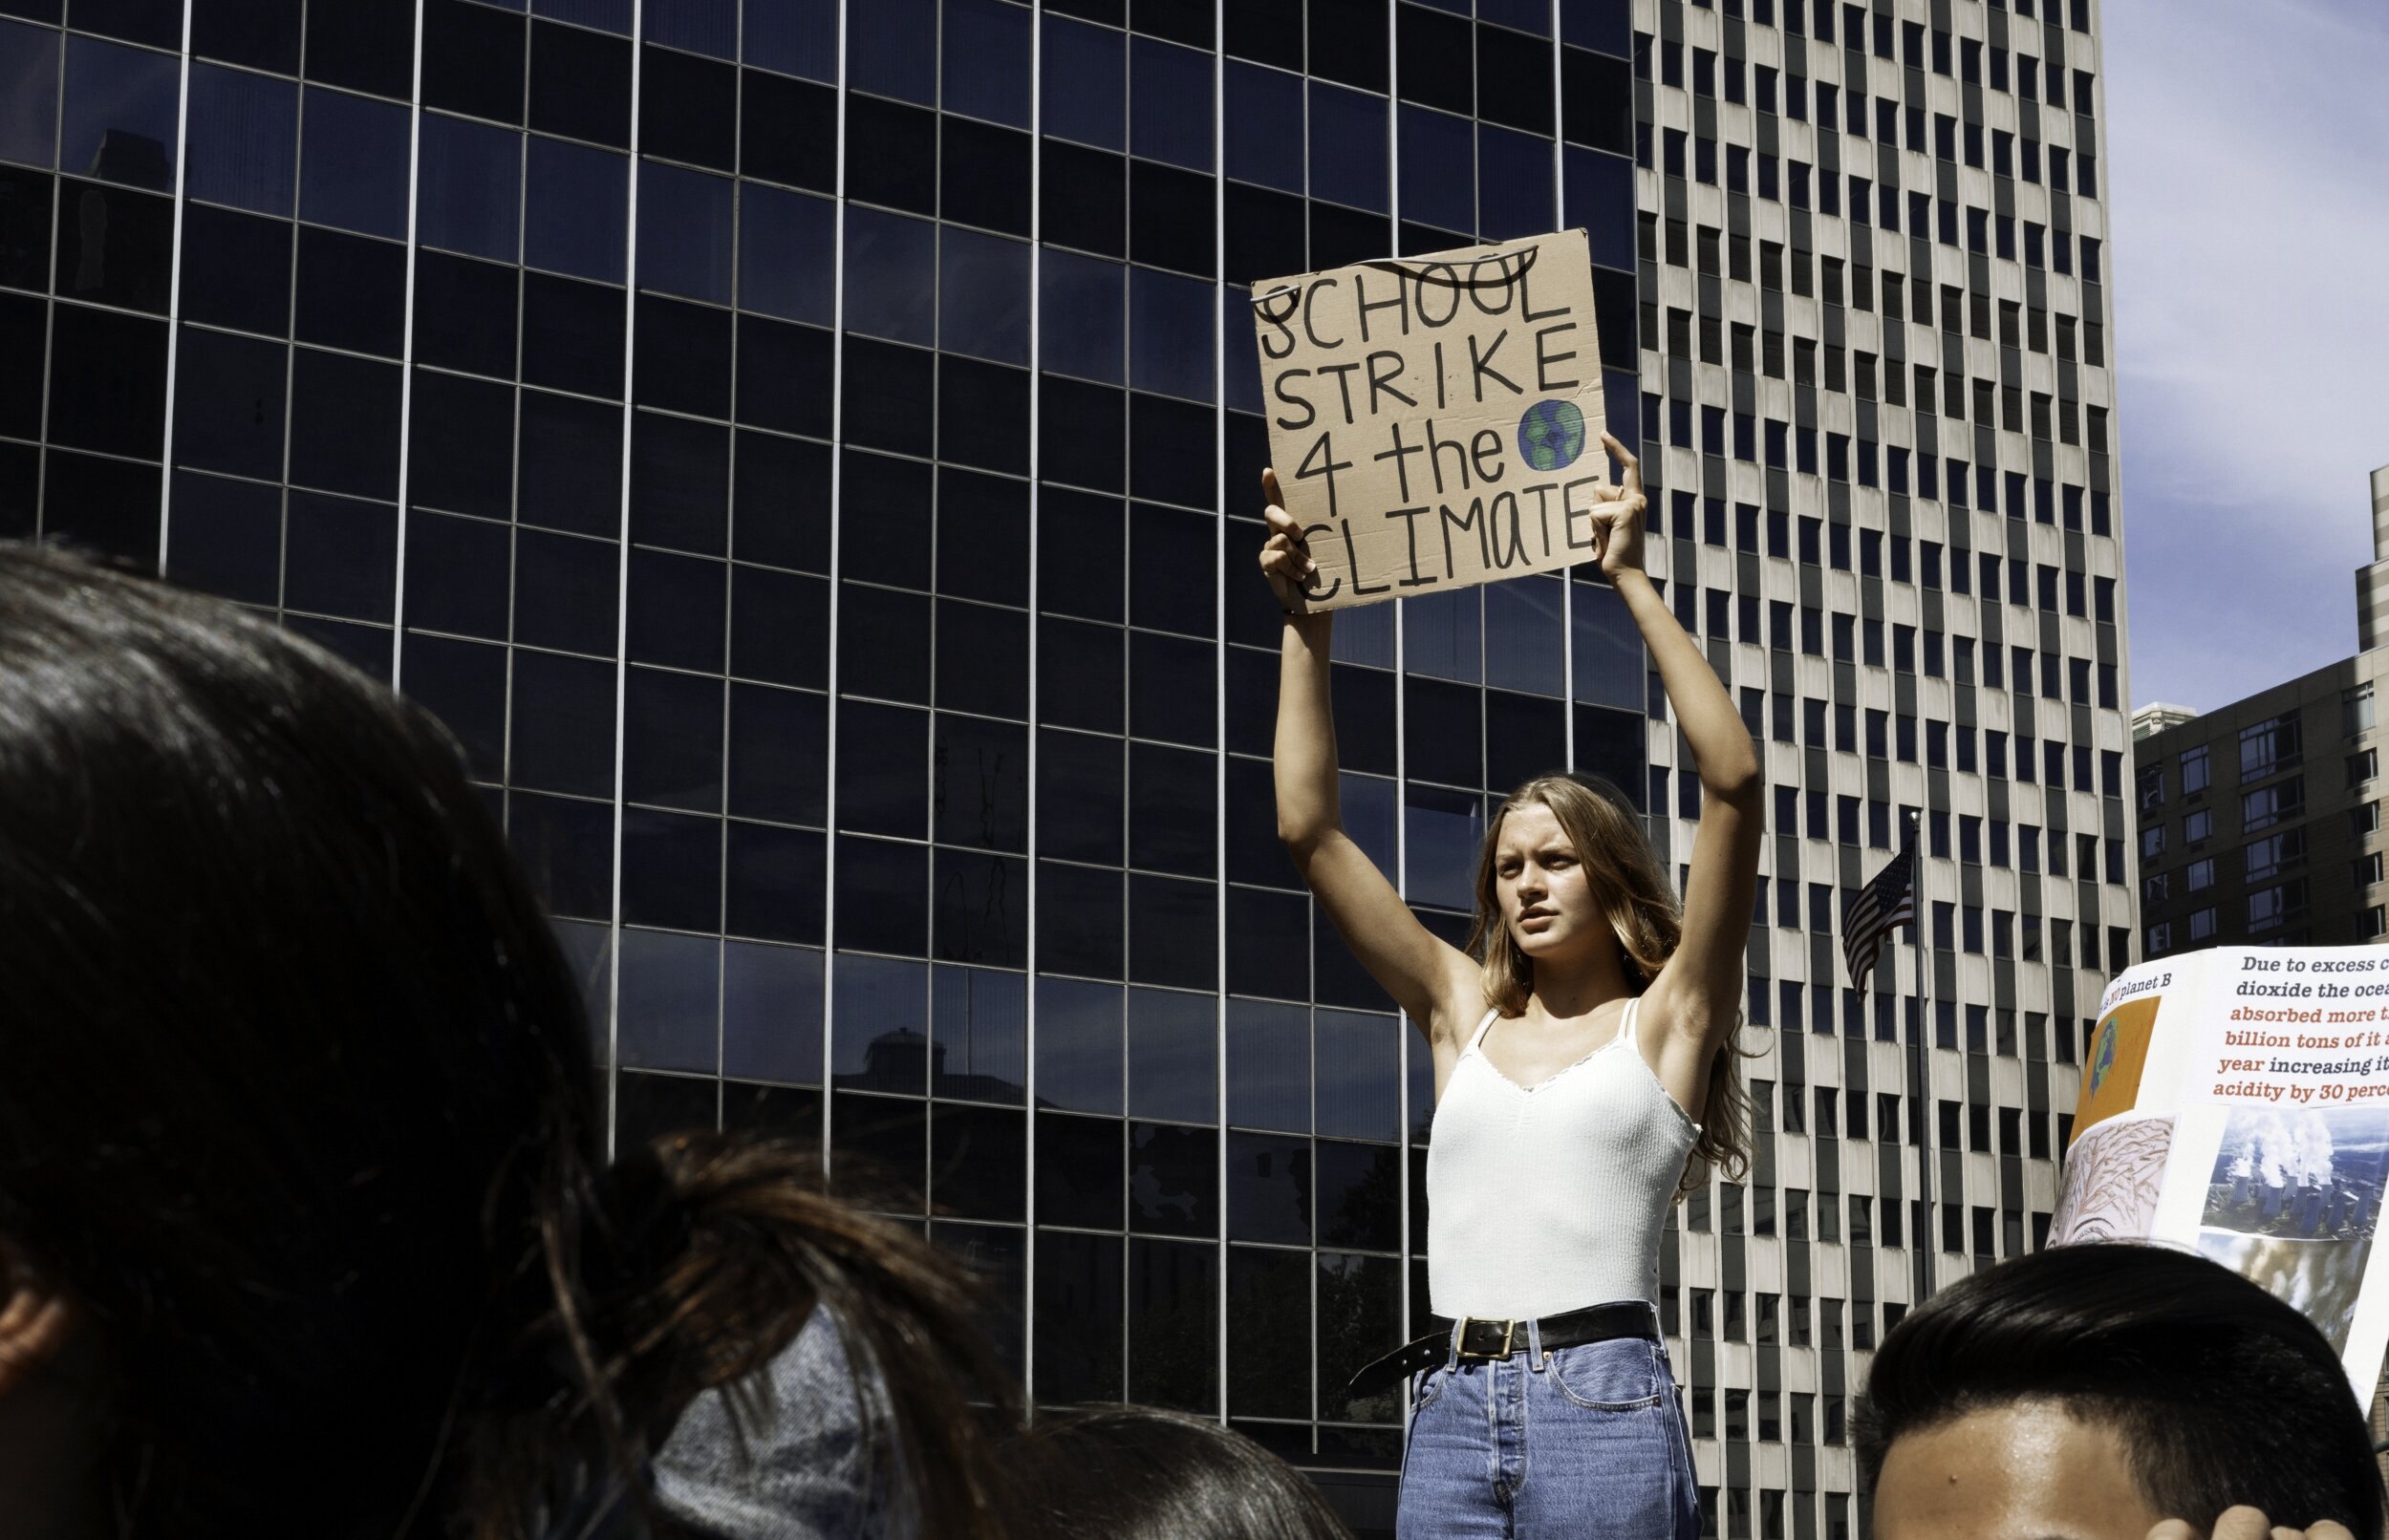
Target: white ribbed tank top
(1549, 1199)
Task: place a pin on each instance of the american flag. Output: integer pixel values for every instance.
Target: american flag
(1888, 902)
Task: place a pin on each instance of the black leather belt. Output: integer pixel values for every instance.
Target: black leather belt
(1476, 1341)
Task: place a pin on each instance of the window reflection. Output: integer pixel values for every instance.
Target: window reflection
(1084, 86)
(1442, 635)
(469, 189)
(1347, 146)
(1445, 828)
(879, 1007)
(1514, 183)
(891, 49)
(244, 147)
(29, 94)
(1439, 168)
(978, 1034)
(1172, 1054)
(1269, 1065)
(684, 233)
(120, 110)
(1264, 125)
(352, 173)
(788, 259)
(1082, 324)
(993, 35)
(891, 283)
(698, 26)
(1173, 1325)
(670, 986)
(797, 37)
(1365, 635)
(575, 205)
(982, 295)
(771, 1013)
(1608, 650)
(1522, 634)
(1169, 107)
(1174, 1179)
(1359, 1060)
(1170, 333)
(1078, 1045)
(1269, 1189)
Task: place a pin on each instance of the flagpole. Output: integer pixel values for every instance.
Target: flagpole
(1920, 1111)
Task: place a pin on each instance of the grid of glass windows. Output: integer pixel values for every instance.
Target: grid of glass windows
(808, 454)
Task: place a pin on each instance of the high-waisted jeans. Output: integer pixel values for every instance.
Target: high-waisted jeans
(1584, 1442)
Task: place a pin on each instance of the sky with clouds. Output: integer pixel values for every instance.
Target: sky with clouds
(2247, 183)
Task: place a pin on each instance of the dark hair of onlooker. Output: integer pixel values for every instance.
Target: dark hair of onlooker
(2220, 1392)
(1135, 1472)
(300, 1111)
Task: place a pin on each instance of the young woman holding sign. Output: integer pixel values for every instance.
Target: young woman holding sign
(1585, 1077)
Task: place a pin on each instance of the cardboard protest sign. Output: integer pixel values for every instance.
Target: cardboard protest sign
(1436, 421)
(2236, 1101)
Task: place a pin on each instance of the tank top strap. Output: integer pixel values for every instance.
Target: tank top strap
(1626, 1027)
(1482, 1027)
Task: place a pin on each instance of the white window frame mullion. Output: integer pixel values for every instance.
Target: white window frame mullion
(622, 586)
(174, 277)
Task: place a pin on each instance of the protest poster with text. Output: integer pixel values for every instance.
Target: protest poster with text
(2236, 1101)
(1436, 421)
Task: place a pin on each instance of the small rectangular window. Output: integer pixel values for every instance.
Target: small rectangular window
(2270, 746)
(2267, 805)
(2150, 787)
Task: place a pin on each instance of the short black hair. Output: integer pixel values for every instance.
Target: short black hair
(1105, 1472)
(2221, 1393)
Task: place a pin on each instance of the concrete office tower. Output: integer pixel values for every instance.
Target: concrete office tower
(1879, 388)
(2260, 821)
(807, 451)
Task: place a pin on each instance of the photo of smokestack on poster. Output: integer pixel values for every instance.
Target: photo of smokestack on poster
(2293, 1201)
(2236, 1103)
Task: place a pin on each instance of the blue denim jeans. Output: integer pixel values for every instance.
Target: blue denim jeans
(1585, 1442)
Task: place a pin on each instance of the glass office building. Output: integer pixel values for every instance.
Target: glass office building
(806, 452)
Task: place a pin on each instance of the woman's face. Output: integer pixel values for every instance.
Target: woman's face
(1546, 900)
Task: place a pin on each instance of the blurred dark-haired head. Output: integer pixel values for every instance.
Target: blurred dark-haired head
(1139, 1473)
(2192, 1388)
(298, 1110)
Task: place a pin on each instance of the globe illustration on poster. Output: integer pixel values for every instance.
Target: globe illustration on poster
(2103, 1060)
(1551, 435)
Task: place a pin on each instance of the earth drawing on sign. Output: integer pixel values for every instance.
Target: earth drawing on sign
(1551, 435)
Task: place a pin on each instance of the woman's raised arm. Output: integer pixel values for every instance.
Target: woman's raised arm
(1701, 986)
(1429, 978)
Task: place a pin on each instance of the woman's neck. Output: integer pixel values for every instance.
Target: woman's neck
(1570, 987)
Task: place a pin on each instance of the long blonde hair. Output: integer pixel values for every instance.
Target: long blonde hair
(1633, 891)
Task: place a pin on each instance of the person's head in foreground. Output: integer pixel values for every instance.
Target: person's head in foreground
(1565, 874)
(2096, 1392)
(1113, 1471)
(305, 1222)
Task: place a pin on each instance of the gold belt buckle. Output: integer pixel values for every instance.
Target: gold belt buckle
(1509, 1334)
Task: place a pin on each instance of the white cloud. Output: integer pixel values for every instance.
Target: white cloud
(2248, 194)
